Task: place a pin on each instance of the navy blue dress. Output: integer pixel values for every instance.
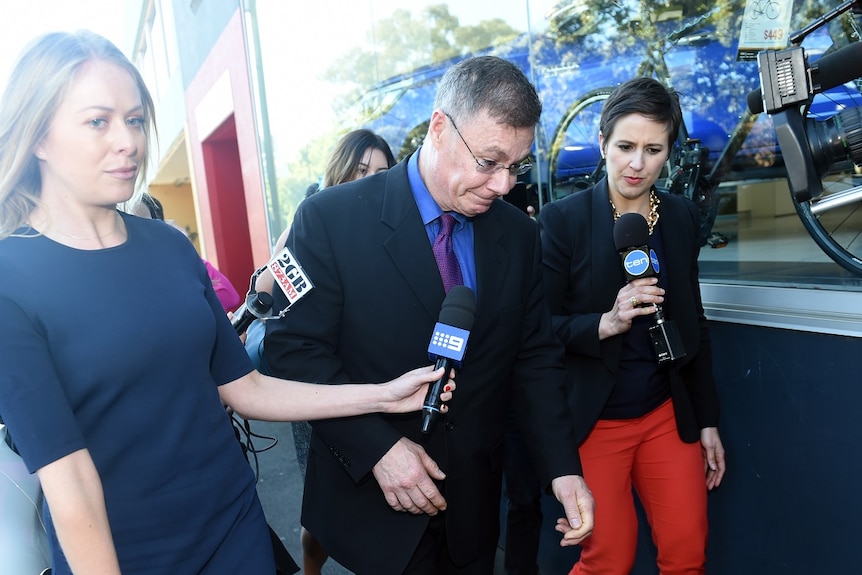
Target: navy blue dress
(121, 351)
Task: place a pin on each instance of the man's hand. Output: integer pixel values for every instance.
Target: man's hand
(405, 475)
(572, 492)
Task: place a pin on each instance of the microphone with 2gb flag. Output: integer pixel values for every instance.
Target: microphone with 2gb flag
(288, 275)
(631, 237)
(447, 347)
(257, 304)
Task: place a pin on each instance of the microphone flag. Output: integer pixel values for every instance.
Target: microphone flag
(289, 276)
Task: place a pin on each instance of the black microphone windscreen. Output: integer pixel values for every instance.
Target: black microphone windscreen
(837, 68)
(459, 308)
(828, 72)
(755, 101)
(630, 230)
(260, 303)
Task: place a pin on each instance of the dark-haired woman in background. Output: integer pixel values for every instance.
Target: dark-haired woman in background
(357, 154)
(640, 424)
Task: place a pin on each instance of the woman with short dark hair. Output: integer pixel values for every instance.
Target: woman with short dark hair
(640, 422)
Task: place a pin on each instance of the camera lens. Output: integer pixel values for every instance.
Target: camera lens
(836, 139)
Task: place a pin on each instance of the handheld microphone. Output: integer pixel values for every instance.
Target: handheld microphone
(257, 304)
(447, 347)
(289, 277)
(631, 237)
(830, 71)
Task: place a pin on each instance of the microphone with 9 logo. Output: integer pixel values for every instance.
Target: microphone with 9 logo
(447, 347)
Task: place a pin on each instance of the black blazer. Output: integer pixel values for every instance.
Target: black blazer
(369, 318)
(583, 275)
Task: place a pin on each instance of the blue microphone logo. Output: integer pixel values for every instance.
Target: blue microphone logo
(654, 259)
(448, 341)
(636, 262)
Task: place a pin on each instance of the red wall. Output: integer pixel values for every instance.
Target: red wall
(224, 158)
(227, 203)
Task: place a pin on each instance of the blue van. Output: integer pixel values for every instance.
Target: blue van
(578, 60)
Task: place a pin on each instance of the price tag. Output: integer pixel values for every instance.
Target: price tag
(765, 26)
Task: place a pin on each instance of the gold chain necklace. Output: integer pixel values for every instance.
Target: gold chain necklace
(652, 219)
(90, 238)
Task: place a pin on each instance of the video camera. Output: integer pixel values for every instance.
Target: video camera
(787, 84)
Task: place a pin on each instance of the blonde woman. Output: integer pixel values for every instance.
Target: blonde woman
(117, 355)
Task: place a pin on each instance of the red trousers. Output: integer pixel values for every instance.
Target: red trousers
(670, 481)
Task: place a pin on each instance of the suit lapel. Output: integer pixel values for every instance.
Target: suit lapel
(410, 250)
(678, 239)
(608, 275)
(492, 259)
(408, 244)
(677, 247)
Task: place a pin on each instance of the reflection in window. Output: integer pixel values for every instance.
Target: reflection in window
(156, 52)
(377, 64)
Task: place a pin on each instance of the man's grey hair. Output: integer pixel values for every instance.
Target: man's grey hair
(490, 84)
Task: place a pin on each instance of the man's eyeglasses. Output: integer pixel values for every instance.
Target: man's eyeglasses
(490, 166)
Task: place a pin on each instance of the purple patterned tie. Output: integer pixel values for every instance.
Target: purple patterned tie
(444, 253)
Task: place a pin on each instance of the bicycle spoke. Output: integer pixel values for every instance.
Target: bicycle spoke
(575, 151)
(834, 221)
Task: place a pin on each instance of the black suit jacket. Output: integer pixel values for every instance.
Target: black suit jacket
(583, 274)
(369, 318)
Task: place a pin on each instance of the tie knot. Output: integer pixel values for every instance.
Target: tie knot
(447, 223)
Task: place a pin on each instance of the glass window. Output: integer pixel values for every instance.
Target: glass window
(376, 65)
(156, 52)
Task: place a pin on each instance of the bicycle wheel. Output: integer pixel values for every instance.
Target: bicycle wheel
(756, 9)
(574, 155)
(833, 216)
(772, 10)
(834, 221)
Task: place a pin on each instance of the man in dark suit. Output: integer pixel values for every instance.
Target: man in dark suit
(381, 496)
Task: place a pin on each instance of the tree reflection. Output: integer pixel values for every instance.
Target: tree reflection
(583, 49)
